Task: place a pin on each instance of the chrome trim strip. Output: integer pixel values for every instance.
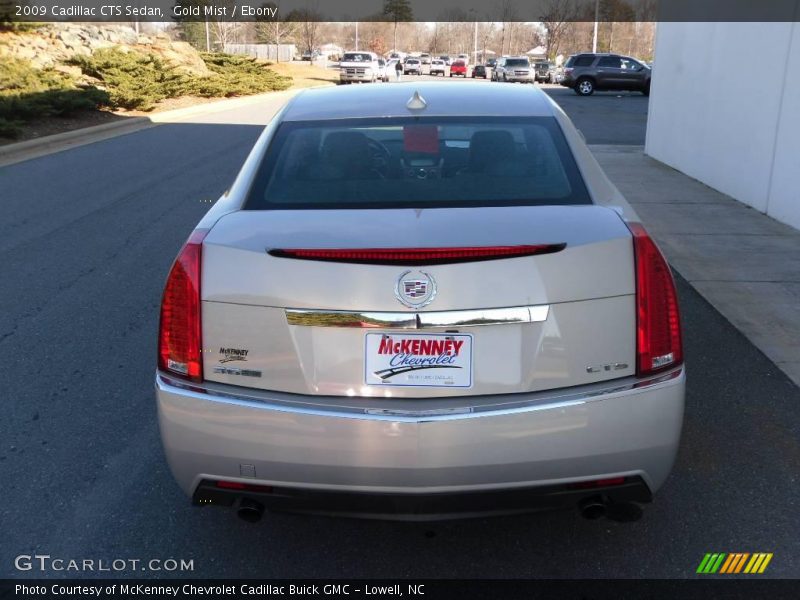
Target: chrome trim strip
(507, 404)
(417, 320)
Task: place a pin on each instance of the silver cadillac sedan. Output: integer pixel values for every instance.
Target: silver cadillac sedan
(420, 301)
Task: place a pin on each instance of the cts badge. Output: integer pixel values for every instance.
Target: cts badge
(415, 289)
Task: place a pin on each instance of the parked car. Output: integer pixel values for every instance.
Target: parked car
(309, 55)
(383, 74)
(438, 67)
(491, 63)
(464, 57)
(513, 69)
(425, 58)
(360, 67)
(479, 71)
(459, 67)
(544, 71)
(419, 359)
(447, 60)
(588, 72)
(412, 66)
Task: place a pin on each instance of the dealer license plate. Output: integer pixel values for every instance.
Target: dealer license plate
(418, 359)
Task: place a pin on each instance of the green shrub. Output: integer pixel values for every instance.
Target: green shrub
(133, 80)
(27, 94)
(19, 76)
(138, 81)
(10, 129)
(241, 75)
(130, 80)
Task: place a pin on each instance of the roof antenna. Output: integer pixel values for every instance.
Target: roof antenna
(416, 102)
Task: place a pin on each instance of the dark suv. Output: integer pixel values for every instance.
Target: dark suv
(545, 72)
(586, 73)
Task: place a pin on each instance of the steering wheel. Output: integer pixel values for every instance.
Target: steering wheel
(380, 156)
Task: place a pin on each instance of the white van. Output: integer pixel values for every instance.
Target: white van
(359, 66)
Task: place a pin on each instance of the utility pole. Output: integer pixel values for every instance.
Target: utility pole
(475, 45)
(596, 16)
(356, 35)
(208, 37)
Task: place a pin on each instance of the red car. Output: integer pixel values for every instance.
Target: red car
(459, 67)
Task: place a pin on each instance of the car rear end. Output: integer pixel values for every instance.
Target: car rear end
(459, 67)
(412, 66)
(576, 66)
(543, 72)
(471, 332)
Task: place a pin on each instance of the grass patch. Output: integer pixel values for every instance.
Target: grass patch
(305, 75)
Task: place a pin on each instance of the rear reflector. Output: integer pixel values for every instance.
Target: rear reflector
(247, 487)
(415, 256)
(179, 335)
(585, 485)
(658, 326)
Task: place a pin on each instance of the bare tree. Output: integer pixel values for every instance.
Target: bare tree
(508, 14)
(308, 23)
(276, 32)
(225, 32)
(485, 35)
(557, 20)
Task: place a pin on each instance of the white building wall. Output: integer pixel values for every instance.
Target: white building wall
(725, 110)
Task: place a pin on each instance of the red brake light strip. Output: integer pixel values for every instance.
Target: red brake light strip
(416, 256)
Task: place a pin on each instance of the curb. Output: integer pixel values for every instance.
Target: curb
(21, 151)
(217, 106)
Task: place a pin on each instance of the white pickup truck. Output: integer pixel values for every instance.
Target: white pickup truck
(359, 66)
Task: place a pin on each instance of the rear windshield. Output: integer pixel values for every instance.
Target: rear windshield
(417, 163)
(517, 62)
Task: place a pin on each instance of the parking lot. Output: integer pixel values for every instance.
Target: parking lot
(91, 232)
(607, 118)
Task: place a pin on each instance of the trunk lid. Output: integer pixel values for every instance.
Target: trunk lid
(580, 301)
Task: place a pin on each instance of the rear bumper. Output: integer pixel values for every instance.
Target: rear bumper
(424, 506)
(628, 428)
(523, 78)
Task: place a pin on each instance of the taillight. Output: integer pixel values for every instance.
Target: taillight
(658, 324)
(180, 332)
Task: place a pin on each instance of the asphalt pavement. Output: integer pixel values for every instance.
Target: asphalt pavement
(87, 238)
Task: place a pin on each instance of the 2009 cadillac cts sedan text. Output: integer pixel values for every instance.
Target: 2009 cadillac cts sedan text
(420, 301)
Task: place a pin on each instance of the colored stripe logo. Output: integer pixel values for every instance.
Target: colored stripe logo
(735, 562)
